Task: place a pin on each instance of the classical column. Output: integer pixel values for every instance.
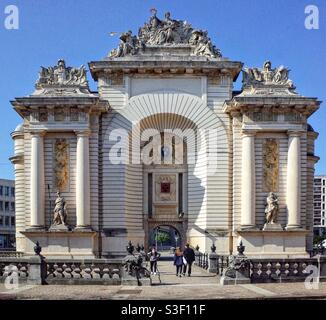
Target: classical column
(248, 180)
(37, 180)
(83, 181)
(293, 196)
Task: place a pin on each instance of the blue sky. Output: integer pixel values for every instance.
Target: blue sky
(250, 31)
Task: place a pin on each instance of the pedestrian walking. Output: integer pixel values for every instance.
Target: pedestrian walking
(189, 256)
(154, 255)
(178, 261)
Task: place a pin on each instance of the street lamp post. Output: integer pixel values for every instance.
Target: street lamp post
(157, 229)
(176, 236)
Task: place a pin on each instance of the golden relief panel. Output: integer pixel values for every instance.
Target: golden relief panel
(270, 165)
(61, 164)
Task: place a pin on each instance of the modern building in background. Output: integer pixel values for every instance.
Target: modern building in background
(7, 214)
(319, 205)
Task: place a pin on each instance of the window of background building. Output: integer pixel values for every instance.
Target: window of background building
(12, 206)
(6, 221)
(323, 182)
(1, 190)
(1, 205)
(7, 191)
(12, 192)
(6, 206)
(1, 220)
(12, 221)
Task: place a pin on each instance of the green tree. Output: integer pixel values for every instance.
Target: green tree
(162, 237)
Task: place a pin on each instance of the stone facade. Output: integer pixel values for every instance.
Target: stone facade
(205, 162)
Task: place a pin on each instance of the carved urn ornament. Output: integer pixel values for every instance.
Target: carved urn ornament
(37, 248)
(130, 248)
(241, 248)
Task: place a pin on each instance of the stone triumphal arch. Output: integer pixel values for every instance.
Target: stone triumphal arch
(164, 141)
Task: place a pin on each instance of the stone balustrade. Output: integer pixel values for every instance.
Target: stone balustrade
(101, 271)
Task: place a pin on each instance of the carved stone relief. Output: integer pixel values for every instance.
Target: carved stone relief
(267, 81)
(59, 114)
(61, 164)
(74, 114)
(165, 32)
(270, 165)
(43, 115)
(265, 116)
(62, 75)
(165, 188)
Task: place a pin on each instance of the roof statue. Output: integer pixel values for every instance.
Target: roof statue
(267, 80)
(166, 32)
(61, 79)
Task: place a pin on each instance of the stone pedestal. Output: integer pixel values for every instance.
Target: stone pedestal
(60, 243)
(212, 262)
(272, 227)
(59, 227)
(36, 270)
(274, 243)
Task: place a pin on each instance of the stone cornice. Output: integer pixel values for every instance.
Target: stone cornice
(28, 104)
(64, 100)
(169, 64)
(59, 127)
(314, 134)
(306, 106)
(284, 127)
(312, 159)
(17, 134)
(17, 159)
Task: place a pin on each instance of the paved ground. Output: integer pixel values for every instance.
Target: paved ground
(200, 286)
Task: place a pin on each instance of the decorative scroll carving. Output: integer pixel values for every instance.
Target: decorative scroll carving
(267, 80)
(270, 165)
(59, 114)
(165, 32)
(61, 164)
(74, 114)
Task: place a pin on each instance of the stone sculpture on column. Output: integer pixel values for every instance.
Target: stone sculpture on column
(271, 212)
(60, 213)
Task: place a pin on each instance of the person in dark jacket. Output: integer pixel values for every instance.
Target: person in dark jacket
(189, 255)
(178, 261)
(154, 255)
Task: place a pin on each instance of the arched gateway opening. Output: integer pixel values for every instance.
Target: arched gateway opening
(165, 237)
(165, 175)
